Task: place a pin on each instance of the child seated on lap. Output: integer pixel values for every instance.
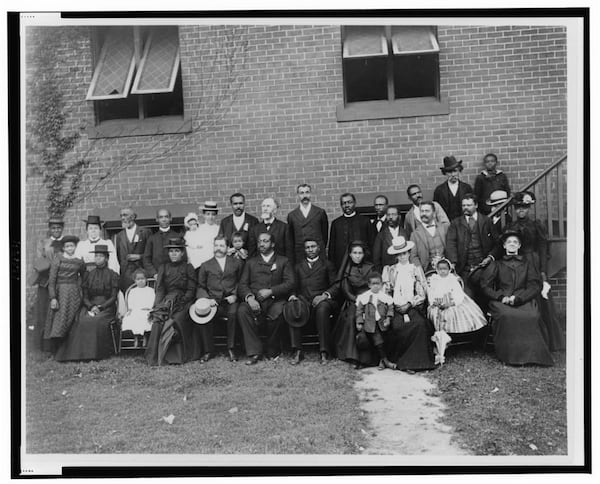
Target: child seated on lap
(139, 303)
(237, 250)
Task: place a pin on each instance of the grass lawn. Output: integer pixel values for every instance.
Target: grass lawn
(498, 409)
(117, 406)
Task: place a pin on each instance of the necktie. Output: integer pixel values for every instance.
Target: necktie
(268, 226)
(471, 222)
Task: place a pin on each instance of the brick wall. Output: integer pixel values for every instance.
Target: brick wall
(559, 294)
(506, 88)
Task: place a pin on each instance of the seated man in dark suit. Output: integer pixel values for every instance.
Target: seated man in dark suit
(266, 283)
(316, 286)
(218, 281)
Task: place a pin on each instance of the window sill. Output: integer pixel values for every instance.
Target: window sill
(400, 108)
(120, 128)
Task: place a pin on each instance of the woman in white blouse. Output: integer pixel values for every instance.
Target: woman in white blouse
(85, 248)
(200, 237)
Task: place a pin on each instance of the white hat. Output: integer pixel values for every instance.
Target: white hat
(399, 245)
(202, 311)
(188, 217)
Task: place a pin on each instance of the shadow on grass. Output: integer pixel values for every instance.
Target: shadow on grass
(117, 405)
(497, 409)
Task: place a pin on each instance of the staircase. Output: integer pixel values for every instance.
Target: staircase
(550, 189)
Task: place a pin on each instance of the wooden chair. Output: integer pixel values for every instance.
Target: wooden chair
(125, 340)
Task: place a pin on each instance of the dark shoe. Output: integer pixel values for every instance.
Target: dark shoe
(253, 360)
(357, 365)
(205, 358)
(232, 356)
(298, 357)
(324, 359)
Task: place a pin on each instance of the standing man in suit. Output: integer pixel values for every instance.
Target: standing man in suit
(412, 219)
(380, 204)
(429, 238)
(266, 283)
(307, 221)
(238, 221)
(130, 244)
(282, 240)
(346, 228)
(218, 281)
(155, 253)
(450, 193)
(384, 238)
(470, 246)
(317, 288)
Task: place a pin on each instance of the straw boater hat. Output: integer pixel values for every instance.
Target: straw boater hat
(56, 221)
(450, 163)
(201, 311)
(524, 198)
(210, 206)
(188, 217)
(100, 249)
(496, 198)
(399, 245)
(175, 243)
(93, 219)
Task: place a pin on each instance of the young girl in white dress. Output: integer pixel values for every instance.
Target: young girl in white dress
(450, 309)
(139, 302)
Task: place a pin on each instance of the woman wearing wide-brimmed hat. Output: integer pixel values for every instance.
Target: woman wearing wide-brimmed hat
(85, 248)
(512, 284)
(409, 339)
(534, 246)
(200, 236)
(450, 193)
(90, 336)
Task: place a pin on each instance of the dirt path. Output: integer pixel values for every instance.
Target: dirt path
(405, 419)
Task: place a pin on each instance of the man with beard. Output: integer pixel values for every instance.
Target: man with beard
(155, 254)
(218, 281)
(450, 193)
(238, 221)
(130, 245)
(266, 283)
(380, 204)
(348, 227)
(429, 238)
(317, 288)
(412, 219)
(280, 231)
(307, 221)
(384, 238)
(470, 246)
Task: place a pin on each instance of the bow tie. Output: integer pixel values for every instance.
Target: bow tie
(430, 225)
(94, 241)
(513, 257)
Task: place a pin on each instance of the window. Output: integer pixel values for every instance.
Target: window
(390, 71)
(136, 86)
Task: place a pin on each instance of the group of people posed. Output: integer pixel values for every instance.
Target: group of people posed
(392, 291)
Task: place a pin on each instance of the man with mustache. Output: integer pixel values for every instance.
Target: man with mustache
(450, 193)
(279, 230)
(380, 204)
(218, 281)
(130, 245)
(238, 221)
(384, 238)
(429, 238)
(307, 221)
(412, 219)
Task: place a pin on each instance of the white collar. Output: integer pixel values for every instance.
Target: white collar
(53, 239)
(269, 222)
(306, 209)
(312, 261)
(267, 258)
(164, 230)
(487, 173)
(132, 229)
(239, 218)
(474, 216)
(221, 261)
(349, 216)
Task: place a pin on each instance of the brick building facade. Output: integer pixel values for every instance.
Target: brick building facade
(504, 89)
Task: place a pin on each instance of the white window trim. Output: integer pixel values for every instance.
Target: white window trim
(397, 52)
(138, 76)
(384, 49)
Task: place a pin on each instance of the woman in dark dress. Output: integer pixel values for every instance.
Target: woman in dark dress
(90, 337)
(354, 281)
(408, 341)
(176, 286)
(534, 246)
(512, 283)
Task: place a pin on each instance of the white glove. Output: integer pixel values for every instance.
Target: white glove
(545, 289)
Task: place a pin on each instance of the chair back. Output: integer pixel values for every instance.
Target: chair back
(151, 283)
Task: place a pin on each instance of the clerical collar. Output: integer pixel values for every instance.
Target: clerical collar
(164, 230)
(54, 238)
(267, 258)
(312, 261)
(348, 216)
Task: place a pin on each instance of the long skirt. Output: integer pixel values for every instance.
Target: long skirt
(555, 337)
(59, 322)
(464, 318)
(90, 337)
(41, 314)
(344, 339)
(519, 334)
(183, 346)
(408, 344)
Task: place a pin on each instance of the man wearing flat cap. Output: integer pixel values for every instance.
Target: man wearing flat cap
(450, 193)
(130, 244)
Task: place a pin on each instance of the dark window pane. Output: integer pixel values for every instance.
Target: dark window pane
(365, 79)
(117, 108)
(415, 76)
(167, 103)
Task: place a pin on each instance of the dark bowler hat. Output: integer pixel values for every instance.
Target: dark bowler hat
(175, 243)
(93, 219)
(450, 163)
(56, 221)
(524, 199)
(100, 249)
(69, 238)
(296, 313)
(510, 233)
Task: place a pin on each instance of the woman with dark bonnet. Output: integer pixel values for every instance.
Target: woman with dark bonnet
(354, 281)
(90, 337)
(534, 246)
(409, 339)
(512, 284)
(175, 288)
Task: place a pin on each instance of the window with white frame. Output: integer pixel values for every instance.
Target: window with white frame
(137, 73)
(390, 71)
